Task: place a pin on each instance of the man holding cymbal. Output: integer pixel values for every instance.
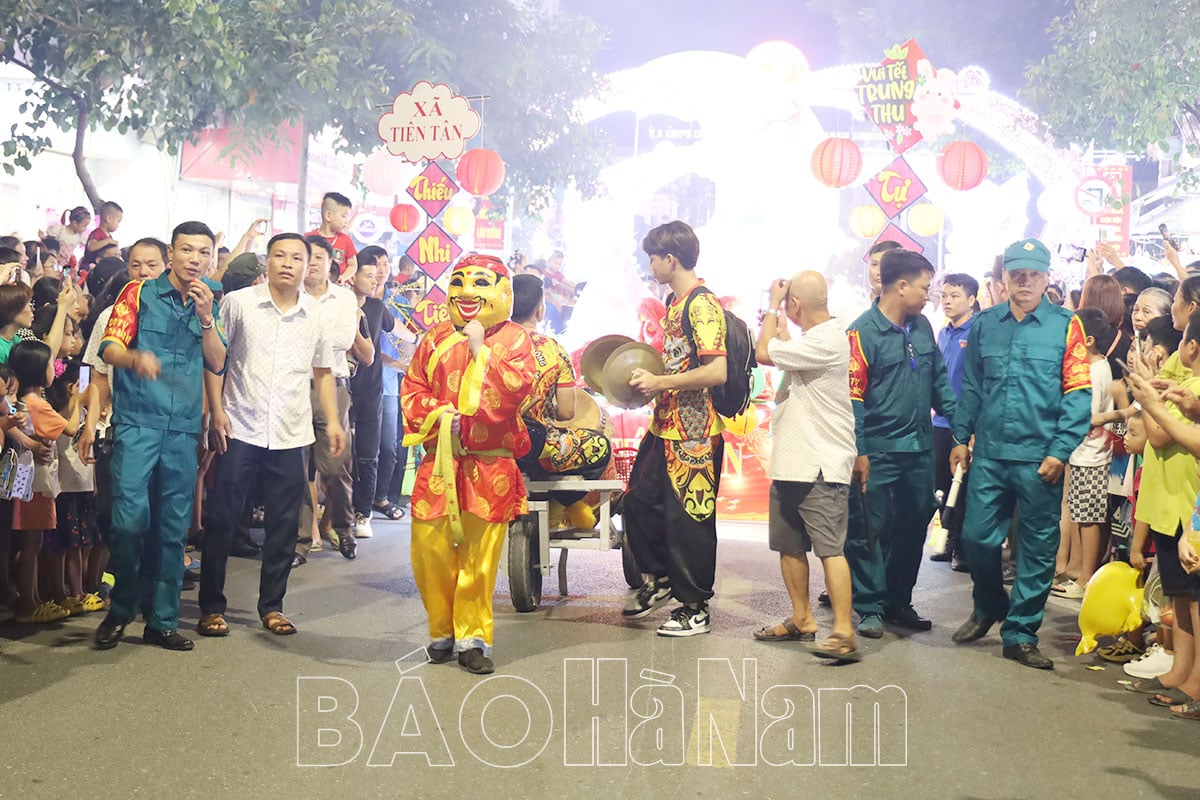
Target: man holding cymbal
(671, 504)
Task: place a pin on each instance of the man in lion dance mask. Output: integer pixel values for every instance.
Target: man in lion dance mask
(460, 398)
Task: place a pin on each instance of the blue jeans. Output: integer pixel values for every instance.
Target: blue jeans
(393, 456)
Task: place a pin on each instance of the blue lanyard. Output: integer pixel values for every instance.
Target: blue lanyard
(908, 345)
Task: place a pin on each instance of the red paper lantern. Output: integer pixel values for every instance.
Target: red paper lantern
(963, 165)
(480, 172)
(404, 217)
(837, 162)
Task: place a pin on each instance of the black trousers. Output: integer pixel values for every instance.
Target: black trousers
(667, 541)
(951, 519)
(284, 474)
(366, 416)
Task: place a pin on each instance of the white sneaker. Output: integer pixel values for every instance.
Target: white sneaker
(1069, 589)
(1154, 662)
(686, 621)
(362, 527)
(650, 596)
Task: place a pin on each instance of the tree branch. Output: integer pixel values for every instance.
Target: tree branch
(53, 84)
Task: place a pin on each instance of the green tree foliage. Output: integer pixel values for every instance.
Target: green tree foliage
(534, 66)
(1121, 74)
(168, 69)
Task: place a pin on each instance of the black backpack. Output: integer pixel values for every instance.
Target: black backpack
(732, 397)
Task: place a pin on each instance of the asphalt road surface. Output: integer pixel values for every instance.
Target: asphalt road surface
(582, 703)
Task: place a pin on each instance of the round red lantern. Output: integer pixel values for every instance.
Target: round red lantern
(837, 161)
(404, 217)
(963, 165)
(480, 172)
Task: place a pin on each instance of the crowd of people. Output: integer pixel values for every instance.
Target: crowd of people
(158, 394)
(1045, 434)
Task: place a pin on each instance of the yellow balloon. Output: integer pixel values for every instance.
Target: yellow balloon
(744, 423)
(925, 219)
(867, 221)
(1112, 604)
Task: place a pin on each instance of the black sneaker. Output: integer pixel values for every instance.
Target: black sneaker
(686, 621)
(654, 593)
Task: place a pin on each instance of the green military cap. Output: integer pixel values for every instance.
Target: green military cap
(1027, 254)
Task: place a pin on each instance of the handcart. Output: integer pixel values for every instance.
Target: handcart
(530, 538)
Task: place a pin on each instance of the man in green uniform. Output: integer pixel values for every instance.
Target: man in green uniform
(1027, 400)
(896, 375)
(161, 337)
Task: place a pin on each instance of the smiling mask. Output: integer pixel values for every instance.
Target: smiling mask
(480, 289)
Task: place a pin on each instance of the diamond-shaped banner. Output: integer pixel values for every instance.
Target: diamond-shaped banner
(895, 187)
(434, 250)
(431, 309)
(892, 233)
(433, 189)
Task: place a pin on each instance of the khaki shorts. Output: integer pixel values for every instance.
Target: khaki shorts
(808, 516)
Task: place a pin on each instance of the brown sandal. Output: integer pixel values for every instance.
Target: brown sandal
(212, 625)
(791, 633)
(278, 624)
(838, 646)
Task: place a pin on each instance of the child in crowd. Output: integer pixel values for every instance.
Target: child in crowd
(335, 216)
(10, 419)
(102, 237)
(1087, 484)
(1167, 498)
(1156, 659)
(71, 233)
(30, 363)
(63, 548)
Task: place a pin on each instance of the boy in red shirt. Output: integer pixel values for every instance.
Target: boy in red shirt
(335, 216)
(100, 238)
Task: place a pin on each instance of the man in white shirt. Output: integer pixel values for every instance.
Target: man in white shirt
(262, 421)
(812, 458)
(340, 316)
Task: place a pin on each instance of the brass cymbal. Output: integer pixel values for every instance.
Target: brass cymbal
(618, 370)
(591, 363)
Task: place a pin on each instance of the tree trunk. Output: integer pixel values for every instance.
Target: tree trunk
(302, 181)
(81, 170)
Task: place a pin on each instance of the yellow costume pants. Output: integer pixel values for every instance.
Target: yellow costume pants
(457, 583)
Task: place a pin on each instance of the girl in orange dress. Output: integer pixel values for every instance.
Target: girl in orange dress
(30, 362)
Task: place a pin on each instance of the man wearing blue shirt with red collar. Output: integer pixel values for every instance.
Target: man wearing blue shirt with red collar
(958, 304)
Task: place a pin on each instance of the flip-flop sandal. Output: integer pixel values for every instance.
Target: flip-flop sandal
(1145, 686)
(838, 647)
(1170, 697)
(1191, 710)
(794, 634)
(391, 511)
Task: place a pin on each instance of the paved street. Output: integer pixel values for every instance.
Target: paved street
(238, 717)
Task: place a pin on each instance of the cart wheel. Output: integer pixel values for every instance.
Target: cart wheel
(524, 573)
(633, 574)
